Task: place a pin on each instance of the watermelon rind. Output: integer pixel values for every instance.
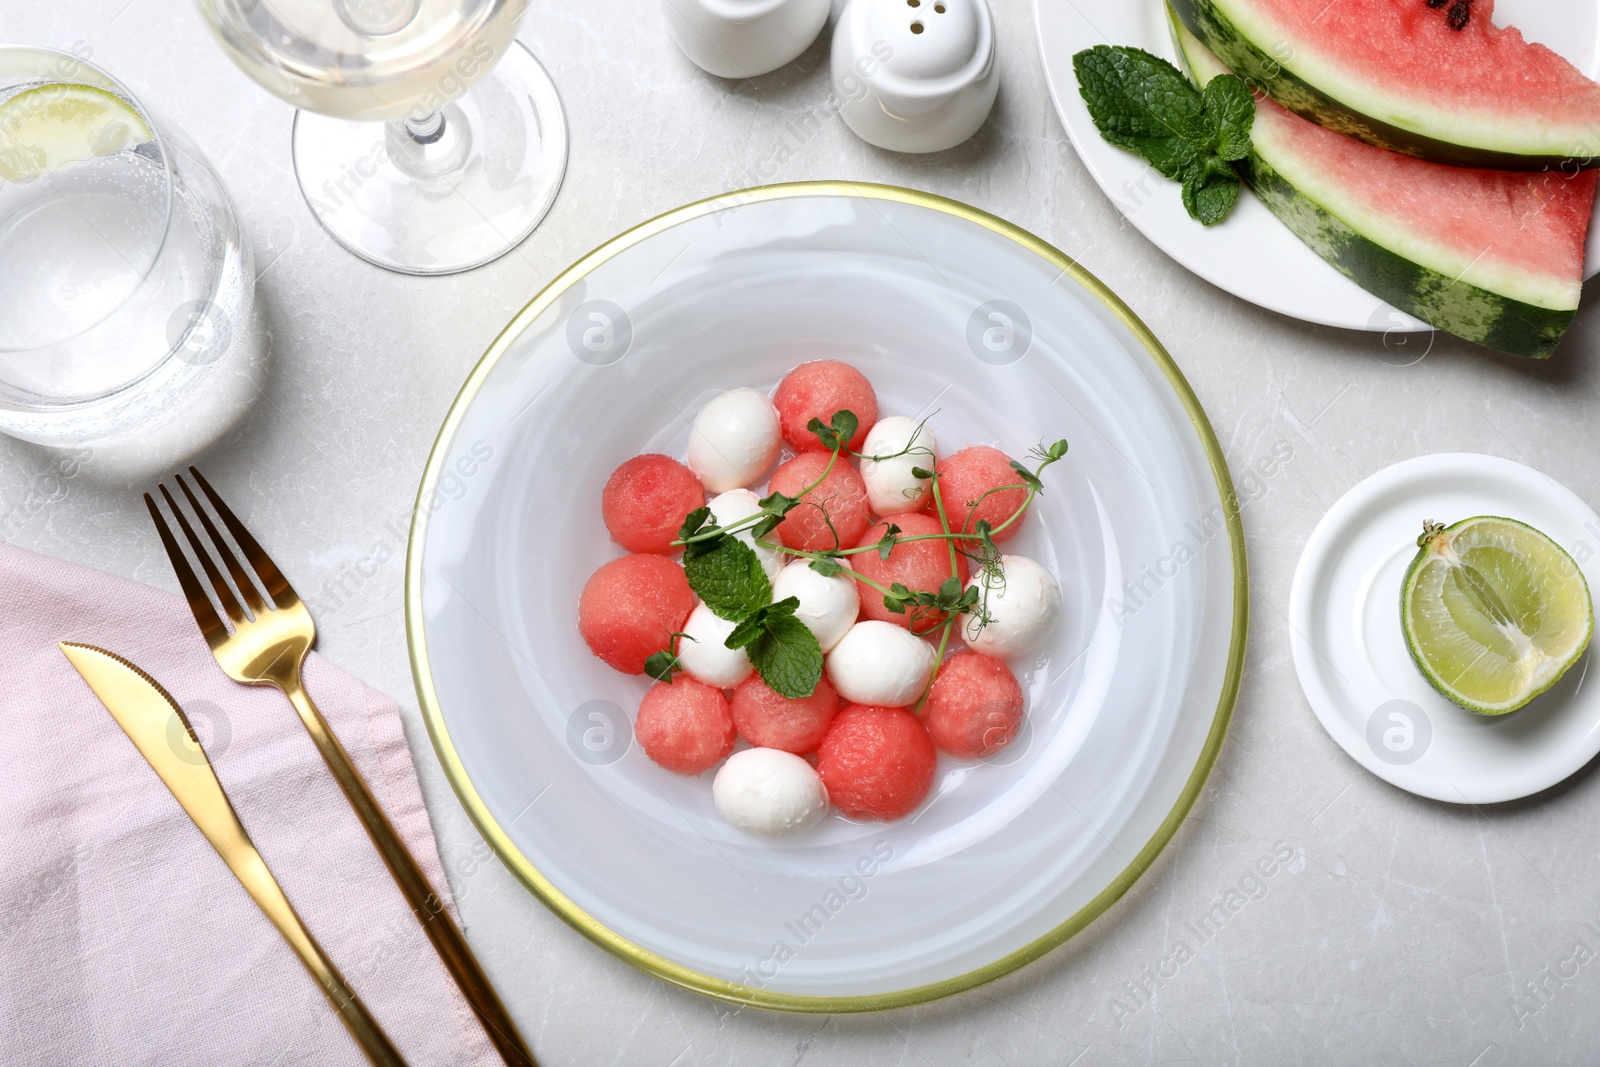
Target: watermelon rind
(1389, 264)
(1287, 79)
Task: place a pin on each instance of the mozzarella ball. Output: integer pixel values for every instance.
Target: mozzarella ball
(704, 652)
(880, 663)
(734, 440)
(768, 791)
(1022, 606)
(891, 487)
(828, 605)
(728, 508)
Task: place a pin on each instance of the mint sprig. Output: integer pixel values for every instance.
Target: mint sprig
(784, 650)
(726, 574)
(1143, 103)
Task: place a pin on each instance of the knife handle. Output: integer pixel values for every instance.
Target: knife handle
(251, 870)
(425, 904)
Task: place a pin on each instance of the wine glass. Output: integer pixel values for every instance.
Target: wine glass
(399, 163)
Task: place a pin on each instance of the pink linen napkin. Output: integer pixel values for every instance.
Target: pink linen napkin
(124, 939)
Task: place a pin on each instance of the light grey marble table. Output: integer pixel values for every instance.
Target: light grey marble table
(1399, 931)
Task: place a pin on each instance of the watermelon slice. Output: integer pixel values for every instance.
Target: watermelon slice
(1493, 256)
(1400, 74)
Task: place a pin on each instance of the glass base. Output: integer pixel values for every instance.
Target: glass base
(446, 199)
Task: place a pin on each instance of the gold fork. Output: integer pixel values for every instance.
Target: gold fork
(267, 646)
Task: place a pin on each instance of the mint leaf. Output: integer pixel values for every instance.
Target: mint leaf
(745, 634)
(759, 621)
(728, 577)
(1209, 191)
(1232, 109)
(787, 656)
(826, 566)
(1143, 103)
(783, 650)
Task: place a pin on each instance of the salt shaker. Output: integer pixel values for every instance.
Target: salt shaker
(743, 38)
(915, 75)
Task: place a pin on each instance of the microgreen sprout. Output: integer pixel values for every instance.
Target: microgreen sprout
(664, 664)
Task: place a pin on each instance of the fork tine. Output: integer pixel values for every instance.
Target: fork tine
(224, 594)
(199, 605)
(278, 587)
(241, 580)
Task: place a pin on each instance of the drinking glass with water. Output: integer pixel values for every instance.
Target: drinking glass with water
(125, 285)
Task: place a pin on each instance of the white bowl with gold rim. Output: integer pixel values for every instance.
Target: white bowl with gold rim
(948, 311)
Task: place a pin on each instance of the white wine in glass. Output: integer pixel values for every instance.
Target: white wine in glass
(398, 161)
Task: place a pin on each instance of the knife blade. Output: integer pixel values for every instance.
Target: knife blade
(162, 733)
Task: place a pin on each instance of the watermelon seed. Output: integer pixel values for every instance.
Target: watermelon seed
(1460, 12)
(1437, 4)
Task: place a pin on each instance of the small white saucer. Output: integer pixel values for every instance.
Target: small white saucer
(1344, 615)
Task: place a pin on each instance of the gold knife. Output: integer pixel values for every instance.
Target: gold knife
(146, 712)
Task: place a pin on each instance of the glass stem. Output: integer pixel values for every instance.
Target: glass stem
(430, 145)
(427, 129)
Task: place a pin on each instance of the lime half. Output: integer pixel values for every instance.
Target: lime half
(1493, 612)
(52, 126)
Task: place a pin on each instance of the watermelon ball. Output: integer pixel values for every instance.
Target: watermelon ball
(841, 496)
(631, 607)
(965, 477)
(876, 762)
(816, 391)
(974, 708)
(768, 719)
(684, 726)
(919, 565)
(645, 501)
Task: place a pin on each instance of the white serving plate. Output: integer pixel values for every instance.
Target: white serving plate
(1344, 614)
(1251, 254)
(1127, 705)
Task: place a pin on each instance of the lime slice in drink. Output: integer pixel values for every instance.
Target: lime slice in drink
(52, 126)
(1493, 612)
